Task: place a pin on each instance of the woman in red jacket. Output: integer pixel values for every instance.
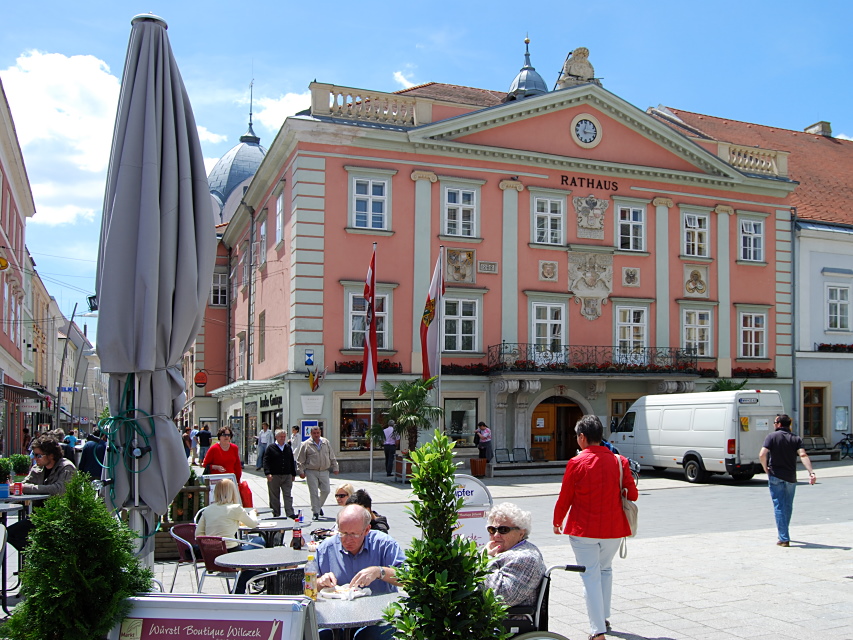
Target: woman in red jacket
(223, 456)
(596, 523)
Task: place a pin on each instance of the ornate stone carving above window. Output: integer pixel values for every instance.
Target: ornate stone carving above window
(591, 281)
(460, 265)
(590, 211)
(696, 281)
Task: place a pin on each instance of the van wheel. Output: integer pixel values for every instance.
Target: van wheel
(742, 477)
(694, 472)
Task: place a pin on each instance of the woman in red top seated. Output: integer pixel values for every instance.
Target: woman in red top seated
(223, 457)
(592, 498)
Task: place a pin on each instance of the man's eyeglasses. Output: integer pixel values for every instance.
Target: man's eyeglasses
(350, 535)
(341, 495)
(503, 530)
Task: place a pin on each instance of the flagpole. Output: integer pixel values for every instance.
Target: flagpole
(440, 319)
(370, 431)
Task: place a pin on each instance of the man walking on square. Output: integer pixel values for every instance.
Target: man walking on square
(314, 460)
(390, 447)
(265, 439)
(280, 470)
(779, 458)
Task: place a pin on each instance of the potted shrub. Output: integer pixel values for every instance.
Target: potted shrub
(79, 572)
(20, 466)
(5, 472)
(443, 573)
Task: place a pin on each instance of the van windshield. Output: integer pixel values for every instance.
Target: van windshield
(627, 423)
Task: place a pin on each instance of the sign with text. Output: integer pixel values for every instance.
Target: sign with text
(29, 407)
(159, 616)
(473, 515)
(312, 405)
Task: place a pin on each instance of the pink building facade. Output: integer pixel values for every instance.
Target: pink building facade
(592, 255)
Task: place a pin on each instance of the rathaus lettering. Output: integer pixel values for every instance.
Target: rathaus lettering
(589, 183)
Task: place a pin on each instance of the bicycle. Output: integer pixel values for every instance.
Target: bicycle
(845, 445)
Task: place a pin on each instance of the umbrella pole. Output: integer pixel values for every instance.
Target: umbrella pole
(370, 432)
(136, 518)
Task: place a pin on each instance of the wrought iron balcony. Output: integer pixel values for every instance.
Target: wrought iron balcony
(522, 356)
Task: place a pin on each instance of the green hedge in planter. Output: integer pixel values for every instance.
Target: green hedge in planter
(80, 569)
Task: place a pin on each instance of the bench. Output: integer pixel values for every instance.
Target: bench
(818, 446)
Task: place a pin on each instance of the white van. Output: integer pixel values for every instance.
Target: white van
(712, 432)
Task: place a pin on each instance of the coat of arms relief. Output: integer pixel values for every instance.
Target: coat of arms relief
(591, 281)
(590, 211)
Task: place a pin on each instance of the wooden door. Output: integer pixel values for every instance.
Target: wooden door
(543, 430)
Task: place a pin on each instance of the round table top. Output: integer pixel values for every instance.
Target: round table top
(5, 507)
(271, 558)
(28, 496)
(273, 524)
(335, 613)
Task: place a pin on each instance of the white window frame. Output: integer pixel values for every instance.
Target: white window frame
(692, 329)
(262, 240)
(279, 218)
(756, 347)
(548, 355)
(235, 285)
(837, 308)
(752, 242)
(458, 321)
(219, 289)
(554, 221)
(356, 299)
(626, 353)
(451, 225)
(696, 234)
(636, 229)
(241, 357)
(370, 176)
(262, 336)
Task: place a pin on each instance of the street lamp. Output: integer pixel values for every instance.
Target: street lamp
(61, 368)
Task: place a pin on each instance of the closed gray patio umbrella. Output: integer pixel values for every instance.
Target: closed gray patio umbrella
(155, 266)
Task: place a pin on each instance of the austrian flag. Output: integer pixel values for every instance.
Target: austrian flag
(371, 365)
(430, 328)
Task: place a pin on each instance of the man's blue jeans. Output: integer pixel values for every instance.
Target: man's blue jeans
(782, 493)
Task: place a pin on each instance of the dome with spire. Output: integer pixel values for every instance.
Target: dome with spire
(233, 169)
(528, 82)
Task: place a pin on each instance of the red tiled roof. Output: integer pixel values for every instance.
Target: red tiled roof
(822, 165)
(454, 93)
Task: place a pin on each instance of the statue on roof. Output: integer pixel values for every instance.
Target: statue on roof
(577, 69)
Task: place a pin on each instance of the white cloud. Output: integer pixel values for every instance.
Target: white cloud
(209, 163)
(271, 112)
(208, 136)
(844, 137)
(71, 100)
(64, 109)
(402, 80)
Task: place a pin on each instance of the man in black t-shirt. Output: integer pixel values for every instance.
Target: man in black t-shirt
(203, 438)
(779, 458)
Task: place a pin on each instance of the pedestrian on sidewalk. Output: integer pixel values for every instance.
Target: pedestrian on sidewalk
(194, 444)
(591, 496)
(204, 438)
(779, 458)
(485, 443)
(265, 439)
(314, 460)
(390, 447)
(280, 470)
(295, 438)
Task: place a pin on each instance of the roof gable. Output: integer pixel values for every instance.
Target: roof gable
(539, 127)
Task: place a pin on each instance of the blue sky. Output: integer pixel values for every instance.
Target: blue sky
(780, 63)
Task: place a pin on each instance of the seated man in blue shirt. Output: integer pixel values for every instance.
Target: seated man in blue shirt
(360, 557)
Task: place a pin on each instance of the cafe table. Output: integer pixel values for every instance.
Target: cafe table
(269, 527)
(5, 509)
(337, 613)
(269, 558)
(29, 498)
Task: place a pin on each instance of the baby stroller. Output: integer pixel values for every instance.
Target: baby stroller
(535, 626)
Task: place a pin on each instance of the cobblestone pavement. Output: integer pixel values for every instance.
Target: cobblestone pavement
(704, 565)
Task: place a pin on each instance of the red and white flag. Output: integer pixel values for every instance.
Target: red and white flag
(371, 366)
(430, 329)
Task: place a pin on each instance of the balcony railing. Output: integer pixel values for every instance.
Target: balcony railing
(521, 356)
(754, 160)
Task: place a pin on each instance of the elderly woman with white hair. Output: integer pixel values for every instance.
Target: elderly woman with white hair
(517, 567)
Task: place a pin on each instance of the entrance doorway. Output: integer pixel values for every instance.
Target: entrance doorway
(552, 429)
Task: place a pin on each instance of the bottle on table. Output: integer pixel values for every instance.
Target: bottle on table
(297, 540)
(309, 582)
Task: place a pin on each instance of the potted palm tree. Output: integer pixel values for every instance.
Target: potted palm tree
(412, 411)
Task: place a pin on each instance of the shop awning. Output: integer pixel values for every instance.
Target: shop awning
(14, 392)
(243, 388)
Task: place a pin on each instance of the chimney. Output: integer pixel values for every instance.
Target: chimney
(821, 128)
